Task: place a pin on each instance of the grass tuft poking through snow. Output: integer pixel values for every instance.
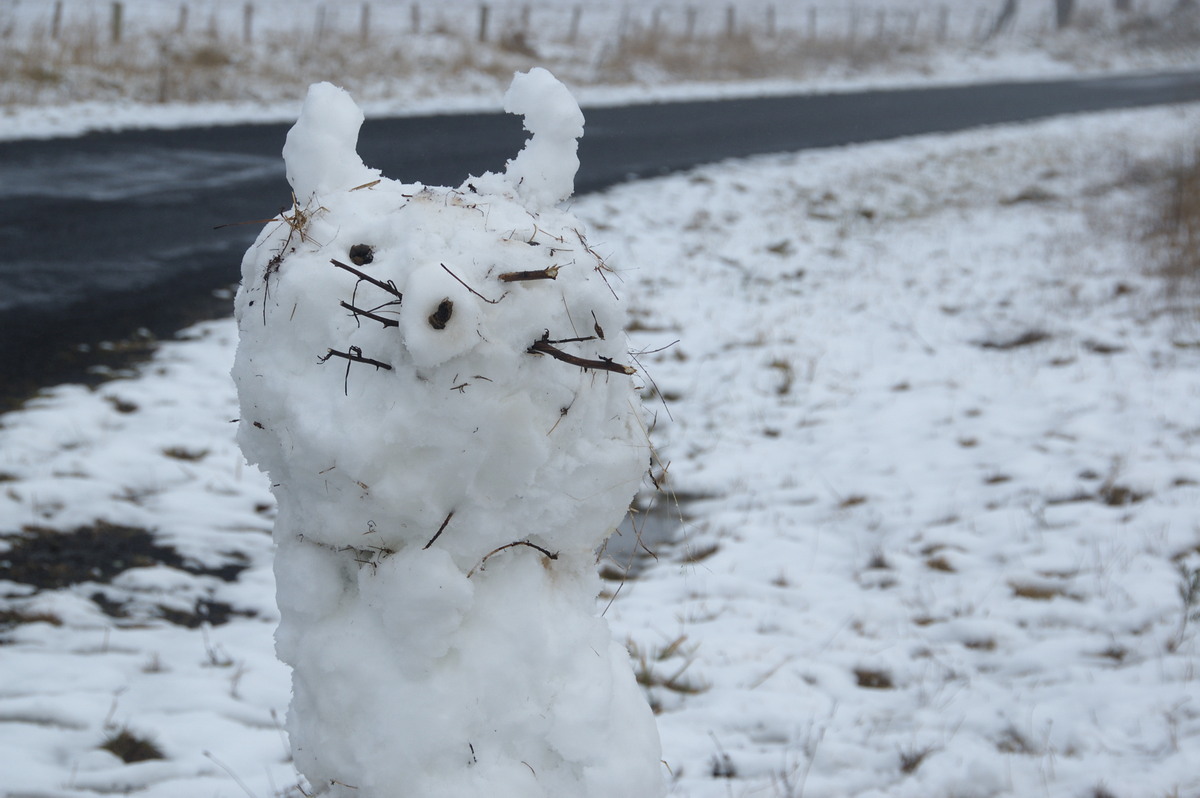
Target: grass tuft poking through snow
(1176, 230)
(129, 747)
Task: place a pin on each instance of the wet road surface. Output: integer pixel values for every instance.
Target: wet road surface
(111, 233)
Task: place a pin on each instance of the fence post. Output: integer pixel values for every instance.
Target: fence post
(880, 24)
(415, 17)
(730, 21)
(56, 20)
(812, 23)
(1063, 9)
(943, 28)
(576, 16)
(118, 20)
(164, 74)
(319, 25)
(181, 26)
(364, 23)
(484, 11)
(771, 21)
(248, 22)
(690, 25)
(979, 29)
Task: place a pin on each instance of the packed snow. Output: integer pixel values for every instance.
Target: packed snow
(930, 432)
(441, 500)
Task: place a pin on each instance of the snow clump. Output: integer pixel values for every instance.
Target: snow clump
(436, 381)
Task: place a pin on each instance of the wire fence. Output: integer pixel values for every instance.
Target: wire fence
(117, 21)
(54, 51)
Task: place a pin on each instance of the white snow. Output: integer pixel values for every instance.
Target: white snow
(544, 171)
(442, 486)
(320, 152)
(871, 491)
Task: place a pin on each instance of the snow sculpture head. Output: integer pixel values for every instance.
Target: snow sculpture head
(435, 381)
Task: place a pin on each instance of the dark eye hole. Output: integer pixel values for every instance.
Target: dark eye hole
(439, 318)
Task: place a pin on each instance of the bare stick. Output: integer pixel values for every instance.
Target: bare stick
(548, 554)
(572, 340)
(373, 316)
(550, 273)
(441, 529)
(469, 288)
(544, 347)
(388, 286)
(355, 354)
(660, 349)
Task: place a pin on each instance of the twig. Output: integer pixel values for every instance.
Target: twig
(580, 339)
(441, 529)
(601, 266)
(469, 288)
(548, 554)
(226, 768)
(549, 273)
(373, 316)
(663, 348)
(388, 286)
(562, 413)
(544, 347)
(657, 392)
(355, 355)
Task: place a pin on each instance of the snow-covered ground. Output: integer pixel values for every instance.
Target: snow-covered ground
(179, 63)
(934, 440)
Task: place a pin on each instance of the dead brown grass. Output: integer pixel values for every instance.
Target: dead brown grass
(83, 62)
(1176, 233)
(1179, 29)
(129, 747)
(742, 56)
(275, 60)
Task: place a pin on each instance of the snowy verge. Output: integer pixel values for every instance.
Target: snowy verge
(942, 447)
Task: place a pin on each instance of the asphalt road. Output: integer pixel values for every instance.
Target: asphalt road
(109, 233)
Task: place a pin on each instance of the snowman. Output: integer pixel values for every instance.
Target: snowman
(436, 382)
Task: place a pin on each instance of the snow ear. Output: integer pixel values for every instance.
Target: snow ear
(543, 173)
(320, 153)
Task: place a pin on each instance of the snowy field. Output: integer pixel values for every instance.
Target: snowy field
(931, 430)
(71, 66)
